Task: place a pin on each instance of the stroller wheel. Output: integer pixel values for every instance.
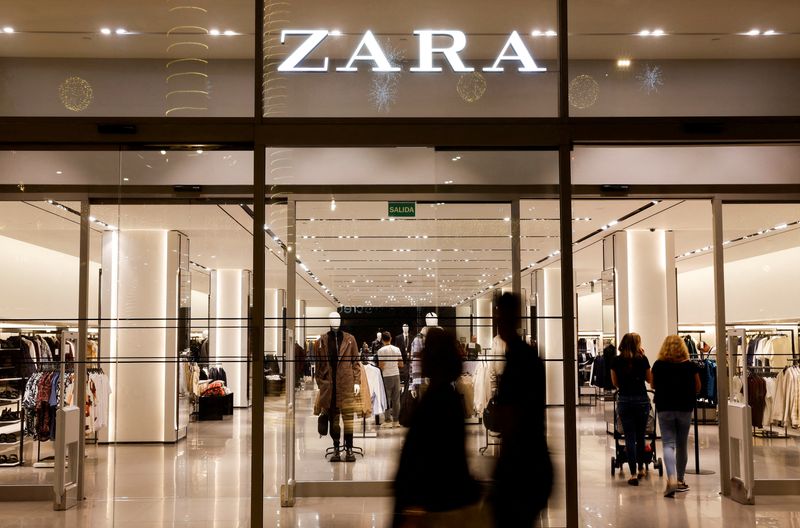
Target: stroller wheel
(613, 466)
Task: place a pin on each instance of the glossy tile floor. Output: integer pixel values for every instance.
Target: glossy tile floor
(205, 481)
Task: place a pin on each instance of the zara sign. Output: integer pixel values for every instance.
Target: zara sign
(369, 51)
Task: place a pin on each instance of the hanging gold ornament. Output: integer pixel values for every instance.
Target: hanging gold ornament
(471, 86)
(583, 92)
(75, 94)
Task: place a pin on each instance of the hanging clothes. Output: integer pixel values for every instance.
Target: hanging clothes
(376, 390)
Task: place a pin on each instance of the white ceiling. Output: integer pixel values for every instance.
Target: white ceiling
(468, 246)
(600, 29)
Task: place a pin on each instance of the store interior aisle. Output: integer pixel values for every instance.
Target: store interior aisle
(204, 481)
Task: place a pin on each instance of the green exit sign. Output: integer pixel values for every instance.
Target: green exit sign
(406, 209)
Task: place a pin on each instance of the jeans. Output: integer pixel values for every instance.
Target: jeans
(633, 413)
(675, 438)
(392, 385)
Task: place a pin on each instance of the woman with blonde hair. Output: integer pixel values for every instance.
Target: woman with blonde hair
(629, 371)
(676, 381)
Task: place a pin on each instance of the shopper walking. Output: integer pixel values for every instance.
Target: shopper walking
(629, 372)
(524, 474)
(676, 381)
(433, 486)
(390, 361)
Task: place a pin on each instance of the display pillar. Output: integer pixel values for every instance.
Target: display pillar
(272, 325)
(228, 336)
(551, 347)
(139, 338)
(646, 290)
(484, 322)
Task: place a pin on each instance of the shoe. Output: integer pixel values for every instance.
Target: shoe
(682, 487)
(641, 474)
(349, 456)
(670, 491)
(336, 456)
(633, 481)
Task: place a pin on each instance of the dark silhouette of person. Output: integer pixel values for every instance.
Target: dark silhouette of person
(523, 476)
(433, 476)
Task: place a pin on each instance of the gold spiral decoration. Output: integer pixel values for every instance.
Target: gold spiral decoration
(76, 94)
(187, 80)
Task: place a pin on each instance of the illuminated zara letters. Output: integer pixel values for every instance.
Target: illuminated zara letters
(369, 52)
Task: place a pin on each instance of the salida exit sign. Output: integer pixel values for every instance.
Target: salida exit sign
(402, 209)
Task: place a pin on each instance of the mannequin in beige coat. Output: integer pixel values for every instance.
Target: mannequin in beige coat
(338, 378)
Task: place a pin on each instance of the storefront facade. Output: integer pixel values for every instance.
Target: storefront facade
(306, 118)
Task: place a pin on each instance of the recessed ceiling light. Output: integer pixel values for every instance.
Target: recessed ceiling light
(58, 172)
(753, 32)
(214, 32)
(623, 63)
(536, 33)
(335, 33)
(125, 179)
(644, 33)
(447, 182)
(770, 32)
(8, 29)
(121, 31)
(229, 32)
(550, 33)
(105, 31)
(199, 151)
(658, 33)
(163, 152)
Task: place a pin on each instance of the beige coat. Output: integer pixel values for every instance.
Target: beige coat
(348, 373)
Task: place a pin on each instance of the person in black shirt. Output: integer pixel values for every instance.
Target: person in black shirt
(433, 485)
(677, 382)
(629, 372)
(523, 477)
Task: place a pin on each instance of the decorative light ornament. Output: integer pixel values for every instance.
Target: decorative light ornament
(471, 87)
(650, 78)
(383, 90)
(583, 92)
(75, 94)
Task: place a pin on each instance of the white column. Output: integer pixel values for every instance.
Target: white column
(462, 322)
(228, 341)
(138, 311)
(484, 322)
(550, 339)
(647, 294)
(272, 325)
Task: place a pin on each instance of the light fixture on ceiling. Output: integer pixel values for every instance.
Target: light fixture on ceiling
(214, 32)
(769, 33)
(550, 33)
(658, 33)
(59, 172)
(199, 151)
(623, 64)
(644, 33)
(8, 29)
(536, 33)
(448, 182)
(333, 204)
(229, 33)
(455, 158)
(753, 33)
(105, 31)
(163, 152)
(335, 33)
(121, 31)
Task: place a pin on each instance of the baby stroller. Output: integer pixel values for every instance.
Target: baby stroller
(621, 458)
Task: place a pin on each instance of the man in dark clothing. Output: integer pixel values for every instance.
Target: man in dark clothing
(524, 474)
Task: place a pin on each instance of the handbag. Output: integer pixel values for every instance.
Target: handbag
(322, 424)
(490, 416)
(408, 404)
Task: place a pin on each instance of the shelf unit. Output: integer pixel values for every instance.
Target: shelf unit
(16, 403)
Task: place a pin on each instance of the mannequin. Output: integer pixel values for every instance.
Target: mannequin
(403, 342)
(431, 321)
(375, 346)
(338, 374)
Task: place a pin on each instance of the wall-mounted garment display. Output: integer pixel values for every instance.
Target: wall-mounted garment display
(41, 399)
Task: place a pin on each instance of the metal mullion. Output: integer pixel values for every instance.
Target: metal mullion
(257, 324)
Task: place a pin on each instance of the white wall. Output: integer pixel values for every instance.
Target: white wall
(759, 288)
(590, 312)
(38, 283)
